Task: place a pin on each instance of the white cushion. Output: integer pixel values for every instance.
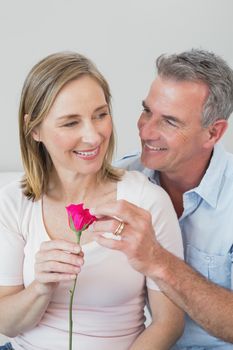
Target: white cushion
(7, 177)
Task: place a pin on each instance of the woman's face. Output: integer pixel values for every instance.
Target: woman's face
(78, 127)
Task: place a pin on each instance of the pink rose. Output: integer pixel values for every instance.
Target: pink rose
(79, 218)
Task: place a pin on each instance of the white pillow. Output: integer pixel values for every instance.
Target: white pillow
(7, 177)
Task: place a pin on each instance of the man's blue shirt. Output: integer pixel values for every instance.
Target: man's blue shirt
(207, 230)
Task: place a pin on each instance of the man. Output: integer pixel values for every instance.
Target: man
(184, 116)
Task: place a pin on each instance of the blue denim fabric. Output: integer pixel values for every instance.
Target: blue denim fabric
(221, 347)
(7, 346)
(206, 226)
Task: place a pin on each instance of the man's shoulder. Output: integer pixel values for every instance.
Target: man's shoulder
(221, 164)
(229, 165)
(130, 162)
(133, 162)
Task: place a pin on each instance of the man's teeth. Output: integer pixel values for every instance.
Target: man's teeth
(86, 154)
(155, 148)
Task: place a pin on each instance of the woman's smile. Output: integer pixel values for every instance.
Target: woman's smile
(88, 154)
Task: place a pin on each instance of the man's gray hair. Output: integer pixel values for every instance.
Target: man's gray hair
(202, 66)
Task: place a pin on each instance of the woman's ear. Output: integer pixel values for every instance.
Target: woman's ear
(35, 132)
(216, 131)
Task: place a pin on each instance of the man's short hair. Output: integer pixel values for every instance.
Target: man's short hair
(202, 66)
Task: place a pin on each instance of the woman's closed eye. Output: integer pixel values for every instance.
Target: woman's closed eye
(71, 123)
(101, 115)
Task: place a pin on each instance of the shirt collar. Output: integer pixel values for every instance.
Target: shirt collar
(210, 185)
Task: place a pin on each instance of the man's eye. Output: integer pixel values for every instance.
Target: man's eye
(145, 110)
(171, 122)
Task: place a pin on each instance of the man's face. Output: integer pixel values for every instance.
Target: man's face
(170, 127)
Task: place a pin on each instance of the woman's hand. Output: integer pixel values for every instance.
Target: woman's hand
(56, 261)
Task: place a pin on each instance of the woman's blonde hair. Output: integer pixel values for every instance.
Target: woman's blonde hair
(40, 89)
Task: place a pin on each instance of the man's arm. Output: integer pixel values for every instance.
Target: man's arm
(208, 304)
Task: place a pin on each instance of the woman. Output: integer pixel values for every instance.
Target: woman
(67, 141)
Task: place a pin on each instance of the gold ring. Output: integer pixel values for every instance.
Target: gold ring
(119, 228)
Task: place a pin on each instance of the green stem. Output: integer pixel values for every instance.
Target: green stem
(78, 235)
(70, 314)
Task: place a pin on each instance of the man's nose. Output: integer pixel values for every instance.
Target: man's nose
(148, 128)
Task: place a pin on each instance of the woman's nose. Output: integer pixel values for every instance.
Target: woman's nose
(90, 134)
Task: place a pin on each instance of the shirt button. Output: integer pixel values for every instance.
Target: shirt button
(207, 258)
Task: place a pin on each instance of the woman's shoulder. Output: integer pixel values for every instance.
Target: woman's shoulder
(139, 179)
(133, 176)
(11, 190)
(139, 186)
(12, 197)
(16, 210)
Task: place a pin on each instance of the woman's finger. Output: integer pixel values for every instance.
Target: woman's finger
(59, 255)
(55, 266)
(61, 245)
(45, 278)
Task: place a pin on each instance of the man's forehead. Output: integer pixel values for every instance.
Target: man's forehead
(174, 88)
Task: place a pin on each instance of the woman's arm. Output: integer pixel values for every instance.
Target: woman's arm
(22, 308)
(166, 327)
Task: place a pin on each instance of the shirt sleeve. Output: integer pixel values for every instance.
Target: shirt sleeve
(129, 162)
(11, 240)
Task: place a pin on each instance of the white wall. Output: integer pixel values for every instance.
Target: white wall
(122, 37)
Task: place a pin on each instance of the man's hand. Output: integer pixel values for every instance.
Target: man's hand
(137, 238)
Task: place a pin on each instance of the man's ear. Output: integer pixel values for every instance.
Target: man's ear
(35, 132)
(215, 132)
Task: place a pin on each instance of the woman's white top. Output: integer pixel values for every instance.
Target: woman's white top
(108, 310)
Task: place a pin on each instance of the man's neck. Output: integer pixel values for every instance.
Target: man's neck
(177, 183)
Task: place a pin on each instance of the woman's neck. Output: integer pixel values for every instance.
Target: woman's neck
(70, 188)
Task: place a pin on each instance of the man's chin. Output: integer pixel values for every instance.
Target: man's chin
(149, 163)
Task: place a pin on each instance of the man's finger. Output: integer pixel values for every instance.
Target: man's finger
(109, 225)
(109, 243)
(121, 209)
